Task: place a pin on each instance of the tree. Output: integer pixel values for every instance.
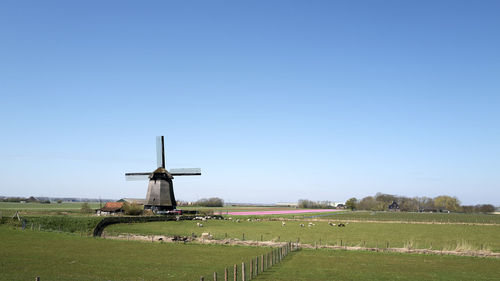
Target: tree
(85, 209)
(445, 202)
(210, 202)
(368, 203)
(425, 203)
(408, 204)
(351, 203)
(485, 208)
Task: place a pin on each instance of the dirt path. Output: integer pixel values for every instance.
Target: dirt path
(167, 239)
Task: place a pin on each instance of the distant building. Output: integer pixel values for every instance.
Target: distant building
(133, 200)
(111, 208)
(339, 205)
(394, 206)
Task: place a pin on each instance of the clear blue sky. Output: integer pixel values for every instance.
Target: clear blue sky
(274, 100)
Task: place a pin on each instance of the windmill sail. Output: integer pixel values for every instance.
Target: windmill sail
(160, 152)
(137, 176)
(185, 172)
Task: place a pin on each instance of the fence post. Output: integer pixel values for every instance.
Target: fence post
(226, 276)
(251, 269)
(243, 271)
(235, 272)
(262, 263)
(215, 276)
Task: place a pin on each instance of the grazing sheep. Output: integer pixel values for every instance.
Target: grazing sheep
(249, 220)
(341, 225)
(283, 223)
(301, 225)
(238, 220)
(199, 224)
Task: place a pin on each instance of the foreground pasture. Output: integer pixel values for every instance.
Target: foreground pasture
(59, 256)
(398, 235)
(349, 265)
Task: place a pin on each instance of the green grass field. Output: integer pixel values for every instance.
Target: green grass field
(353, 265)
(410, 217)
(48, 207)
(59, 256)
(38, 209)
(442, 236)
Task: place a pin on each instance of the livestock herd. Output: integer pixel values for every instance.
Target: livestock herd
(283, 223)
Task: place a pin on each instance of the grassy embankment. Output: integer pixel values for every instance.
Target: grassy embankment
(60, 256)
(353, 265)
(440, 236)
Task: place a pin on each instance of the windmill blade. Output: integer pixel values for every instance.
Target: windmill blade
(160, 151)
(137, 176)
(185, 172)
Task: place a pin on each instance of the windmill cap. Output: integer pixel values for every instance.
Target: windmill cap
(161, 171)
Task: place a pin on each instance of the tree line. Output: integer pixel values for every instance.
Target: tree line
(308, 204)
(204, 202)
(381, 202)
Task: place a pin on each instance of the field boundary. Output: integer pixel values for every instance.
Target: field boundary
(391, 222)
(237, 242)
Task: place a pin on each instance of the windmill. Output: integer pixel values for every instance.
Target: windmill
(160, 196)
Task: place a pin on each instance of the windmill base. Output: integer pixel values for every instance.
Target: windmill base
(158, 208)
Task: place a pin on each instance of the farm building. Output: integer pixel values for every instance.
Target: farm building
(133, 200)
(111, 208)
(394, 206)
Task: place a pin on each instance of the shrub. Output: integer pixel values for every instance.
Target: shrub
(132, 209)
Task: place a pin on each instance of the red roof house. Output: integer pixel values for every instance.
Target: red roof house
(112, 207)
